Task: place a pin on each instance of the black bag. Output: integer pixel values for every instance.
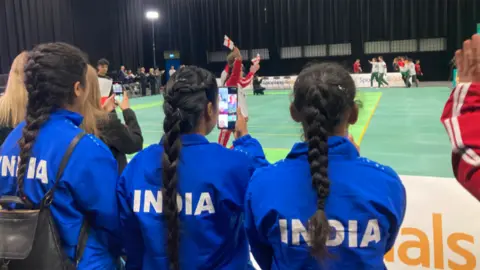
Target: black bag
(29, 239)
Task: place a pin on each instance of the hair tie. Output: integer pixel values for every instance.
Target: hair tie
(178, 114)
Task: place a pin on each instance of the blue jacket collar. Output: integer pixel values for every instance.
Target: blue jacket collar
(74, 117)
(191, 139)
(337, 146)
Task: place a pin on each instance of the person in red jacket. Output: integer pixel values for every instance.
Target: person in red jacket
(461, 117)
(357, 68)
(234, 78)
(418, 70)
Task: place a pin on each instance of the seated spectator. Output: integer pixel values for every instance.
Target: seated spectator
(122, 75)
(14, 101)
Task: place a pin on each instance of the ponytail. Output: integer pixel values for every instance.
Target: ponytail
(186, 96)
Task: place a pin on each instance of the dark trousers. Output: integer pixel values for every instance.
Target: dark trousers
(259, 91)
(374, 77)
(381, 79)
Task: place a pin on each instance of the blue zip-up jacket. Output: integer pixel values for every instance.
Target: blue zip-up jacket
(87, 188)
(212, 184)
(365, 209)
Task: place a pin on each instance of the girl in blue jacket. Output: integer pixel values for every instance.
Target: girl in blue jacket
(324, 206)
(55, 77)
(182, 200)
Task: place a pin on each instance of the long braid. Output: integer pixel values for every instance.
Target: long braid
(50, 74)
(187, 94)
(322, 95)
(170, 158)
(317, 138)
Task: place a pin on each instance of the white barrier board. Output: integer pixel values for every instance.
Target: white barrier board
(441, 229)
(362, 80)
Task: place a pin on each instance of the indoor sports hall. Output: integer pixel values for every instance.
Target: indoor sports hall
(83, 84)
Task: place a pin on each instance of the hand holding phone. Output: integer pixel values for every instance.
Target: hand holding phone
(228, 106)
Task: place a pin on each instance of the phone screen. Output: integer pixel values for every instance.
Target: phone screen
(118, 91)
(228, 104)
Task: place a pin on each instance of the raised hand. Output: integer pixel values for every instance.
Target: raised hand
(255, 68)
(468, 60)
(109, 104)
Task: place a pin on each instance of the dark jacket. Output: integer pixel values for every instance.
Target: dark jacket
(122, 139)
(4, 131)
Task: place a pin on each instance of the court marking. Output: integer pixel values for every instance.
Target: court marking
(365, 127)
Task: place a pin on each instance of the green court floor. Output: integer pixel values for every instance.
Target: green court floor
(397, 127)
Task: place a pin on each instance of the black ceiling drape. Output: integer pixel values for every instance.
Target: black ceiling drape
(117, 29)
(107, 28)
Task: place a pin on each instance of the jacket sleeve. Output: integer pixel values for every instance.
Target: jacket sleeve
(131, 233)
(236, 74)
(253, 149)
(460, 117)
(244, 82)
(92, 179)
(259, 246)
(126, 138)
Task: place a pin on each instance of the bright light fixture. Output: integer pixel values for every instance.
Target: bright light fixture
(151, 15)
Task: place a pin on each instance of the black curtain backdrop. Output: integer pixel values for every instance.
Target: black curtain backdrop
(196, 26)
(118, 30)
(109, 29)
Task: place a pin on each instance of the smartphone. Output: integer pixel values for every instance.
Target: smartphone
(118, 91)
(227, 106)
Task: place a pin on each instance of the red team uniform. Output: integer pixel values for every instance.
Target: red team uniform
(236, 80)
(356, 68)
(418, 69)
(460, 117)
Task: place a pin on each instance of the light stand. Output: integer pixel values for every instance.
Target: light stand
(153, 16)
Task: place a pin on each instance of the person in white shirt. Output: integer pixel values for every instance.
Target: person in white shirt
(412, 73)
(382, 72)
(171, 71)
(375, 70)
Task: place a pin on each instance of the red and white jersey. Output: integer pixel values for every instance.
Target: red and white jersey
(242, 83)
(461, 118)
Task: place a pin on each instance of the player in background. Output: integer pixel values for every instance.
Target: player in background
(461, 116)
(402, 65)
(382, 72)
(418, 70)
(375, 70)
(237, 81)
(412, 75)
(357, 68)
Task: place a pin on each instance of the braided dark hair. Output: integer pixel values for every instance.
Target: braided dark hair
(186, 97)
(51, 72)
(322, 95)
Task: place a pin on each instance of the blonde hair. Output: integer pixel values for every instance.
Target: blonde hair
(93, 113)
(13, 103)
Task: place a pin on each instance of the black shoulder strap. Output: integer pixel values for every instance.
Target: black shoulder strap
(47, 199)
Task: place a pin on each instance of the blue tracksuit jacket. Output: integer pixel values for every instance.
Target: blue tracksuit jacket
(365, 209)
(87, 188)
(212, 184)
